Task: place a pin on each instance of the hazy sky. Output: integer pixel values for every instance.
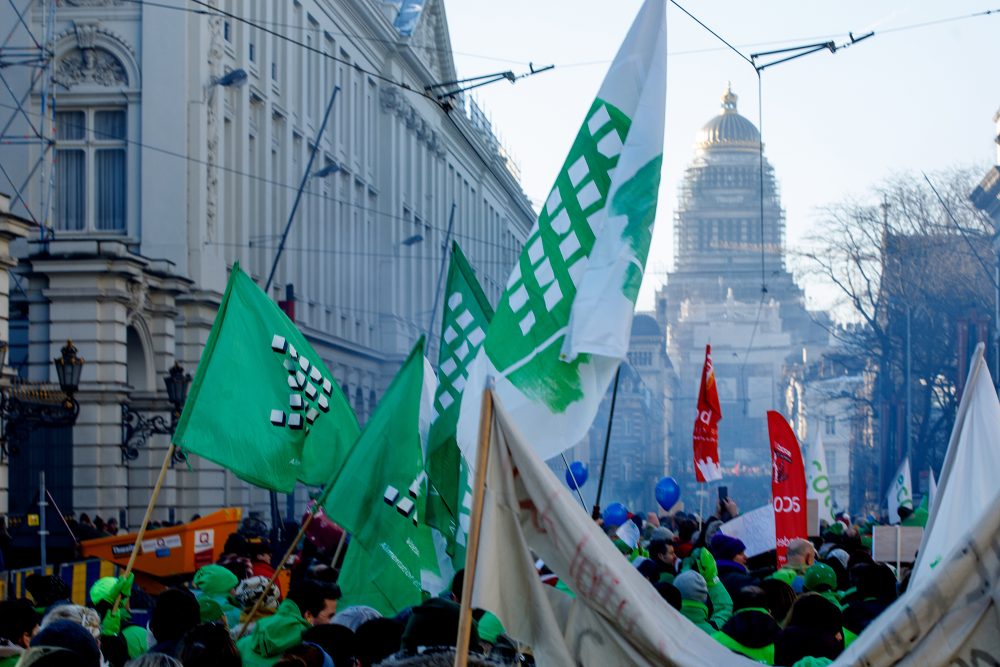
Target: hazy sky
(912, 99)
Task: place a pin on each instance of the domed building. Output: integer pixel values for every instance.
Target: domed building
(730, 288)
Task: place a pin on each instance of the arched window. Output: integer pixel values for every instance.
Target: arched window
(97, 77)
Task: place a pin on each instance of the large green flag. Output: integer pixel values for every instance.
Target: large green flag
(262, 404)
(467, 315)
(379, 497)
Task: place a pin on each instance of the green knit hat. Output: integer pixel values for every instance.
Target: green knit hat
(786, 575)
(104, 589)
(490, 627)
(819, 575)
(209, 610)
(215, 580)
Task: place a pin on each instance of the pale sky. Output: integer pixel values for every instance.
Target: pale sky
(834, 124)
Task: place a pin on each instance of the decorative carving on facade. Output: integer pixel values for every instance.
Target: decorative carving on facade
(92, 65)
(392, 101)
(138, 293)
(215, 56)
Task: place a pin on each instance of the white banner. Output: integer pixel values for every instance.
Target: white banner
(617, 617)
(817, 479)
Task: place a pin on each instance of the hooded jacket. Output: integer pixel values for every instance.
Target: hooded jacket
(750, 632)
(273, 635)
(734, 576)
(697, 613)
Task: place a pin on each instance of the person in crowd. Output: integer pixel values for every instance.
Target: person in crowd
(62, 644)
(245, 596)
(46, 590)
(208, 645)
(752, 630)
(670, 593)
(102, 595)
(837, 559)
(779, 597)
(308, 603)
(694, 599)
(337, 641)
(876, 590)
(431, 630)
(18, 624)
(731, 559)
(112, 526)
(687, 526)
(85, 616)
(820, 578)
(376, 640)
(661, 553)
(260, 559)
(217, 583)
(352, 617)
(236, 557)
(814, 630)
(175, 613)
(801, 554)
(702, 561)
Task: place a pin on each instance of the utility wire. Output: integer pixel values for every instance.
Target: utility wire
(268, 181)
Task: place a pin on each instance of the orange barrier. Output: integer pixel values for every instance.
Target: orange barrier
(167, 552)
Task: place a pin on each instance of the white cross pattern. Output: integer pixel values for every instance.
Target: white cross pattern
(310, 391)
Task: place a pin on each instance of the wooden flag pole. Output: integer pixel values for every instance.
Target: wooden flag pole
(145, 521)
(472, 550)
(281, 564)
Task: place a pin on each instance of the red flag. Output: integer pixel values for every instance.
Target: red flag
(788, 484)
(706, 425)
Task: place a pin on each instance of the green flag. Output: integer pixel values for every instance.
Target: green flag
(379, 497)
(262, 404)
(467, 315)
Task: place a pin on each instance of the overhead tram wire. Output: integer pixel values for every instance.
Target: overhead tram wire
(280, 184)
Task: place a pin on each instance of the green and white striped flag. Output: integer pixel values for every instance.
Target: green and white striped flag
(467, 315)
(563, 324)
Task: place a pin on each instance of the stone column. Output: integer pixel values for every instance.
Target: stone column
(11, 227)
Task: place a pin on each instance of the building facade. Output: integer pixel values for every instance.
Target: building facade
(730, 288)
(181, 139)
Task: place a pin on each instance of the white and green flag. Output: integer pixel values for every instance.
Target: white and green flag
(900, 492)
(467, 315)
(379, 496)
(817, 479)
(968, 489)
(563, 323)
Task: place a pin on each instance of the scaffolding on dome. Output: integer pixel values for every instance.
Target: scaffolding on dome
(27, 108)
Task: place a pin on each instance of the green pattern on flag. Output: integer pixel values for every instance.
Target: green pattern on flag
(526, 335)
(636, 200)
(379, 497)
(262, 403)
(466, 317)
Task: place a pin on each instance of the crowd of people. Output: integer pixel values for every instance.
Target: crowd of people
(801, 615)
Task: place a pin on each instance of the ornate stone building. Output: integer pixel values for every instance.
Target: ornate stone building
(181, 138)
(728, 244)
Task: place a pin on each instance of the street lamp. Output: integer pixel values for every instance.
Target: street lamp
(137, 428)
(26, 406)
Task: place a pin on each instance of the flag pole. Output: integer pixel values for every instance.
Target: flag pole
(607, 441)
(281, 564)
(340, 548)
(472, 550)
(145, 522)
(576, 485)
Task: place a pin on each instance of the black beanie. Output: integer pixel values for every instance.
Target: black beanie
(72, 637)
(434, 623)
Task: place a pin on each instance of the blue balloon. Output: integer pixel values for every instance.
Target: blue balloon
(577, 469)
(615, 514)
(667, 492)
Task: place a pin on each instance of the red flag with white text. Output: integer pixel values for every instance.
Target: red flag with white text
(706, 425)
(788, 484)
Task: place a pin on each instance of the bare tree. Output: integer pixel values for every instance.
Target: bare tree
(908, 267)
